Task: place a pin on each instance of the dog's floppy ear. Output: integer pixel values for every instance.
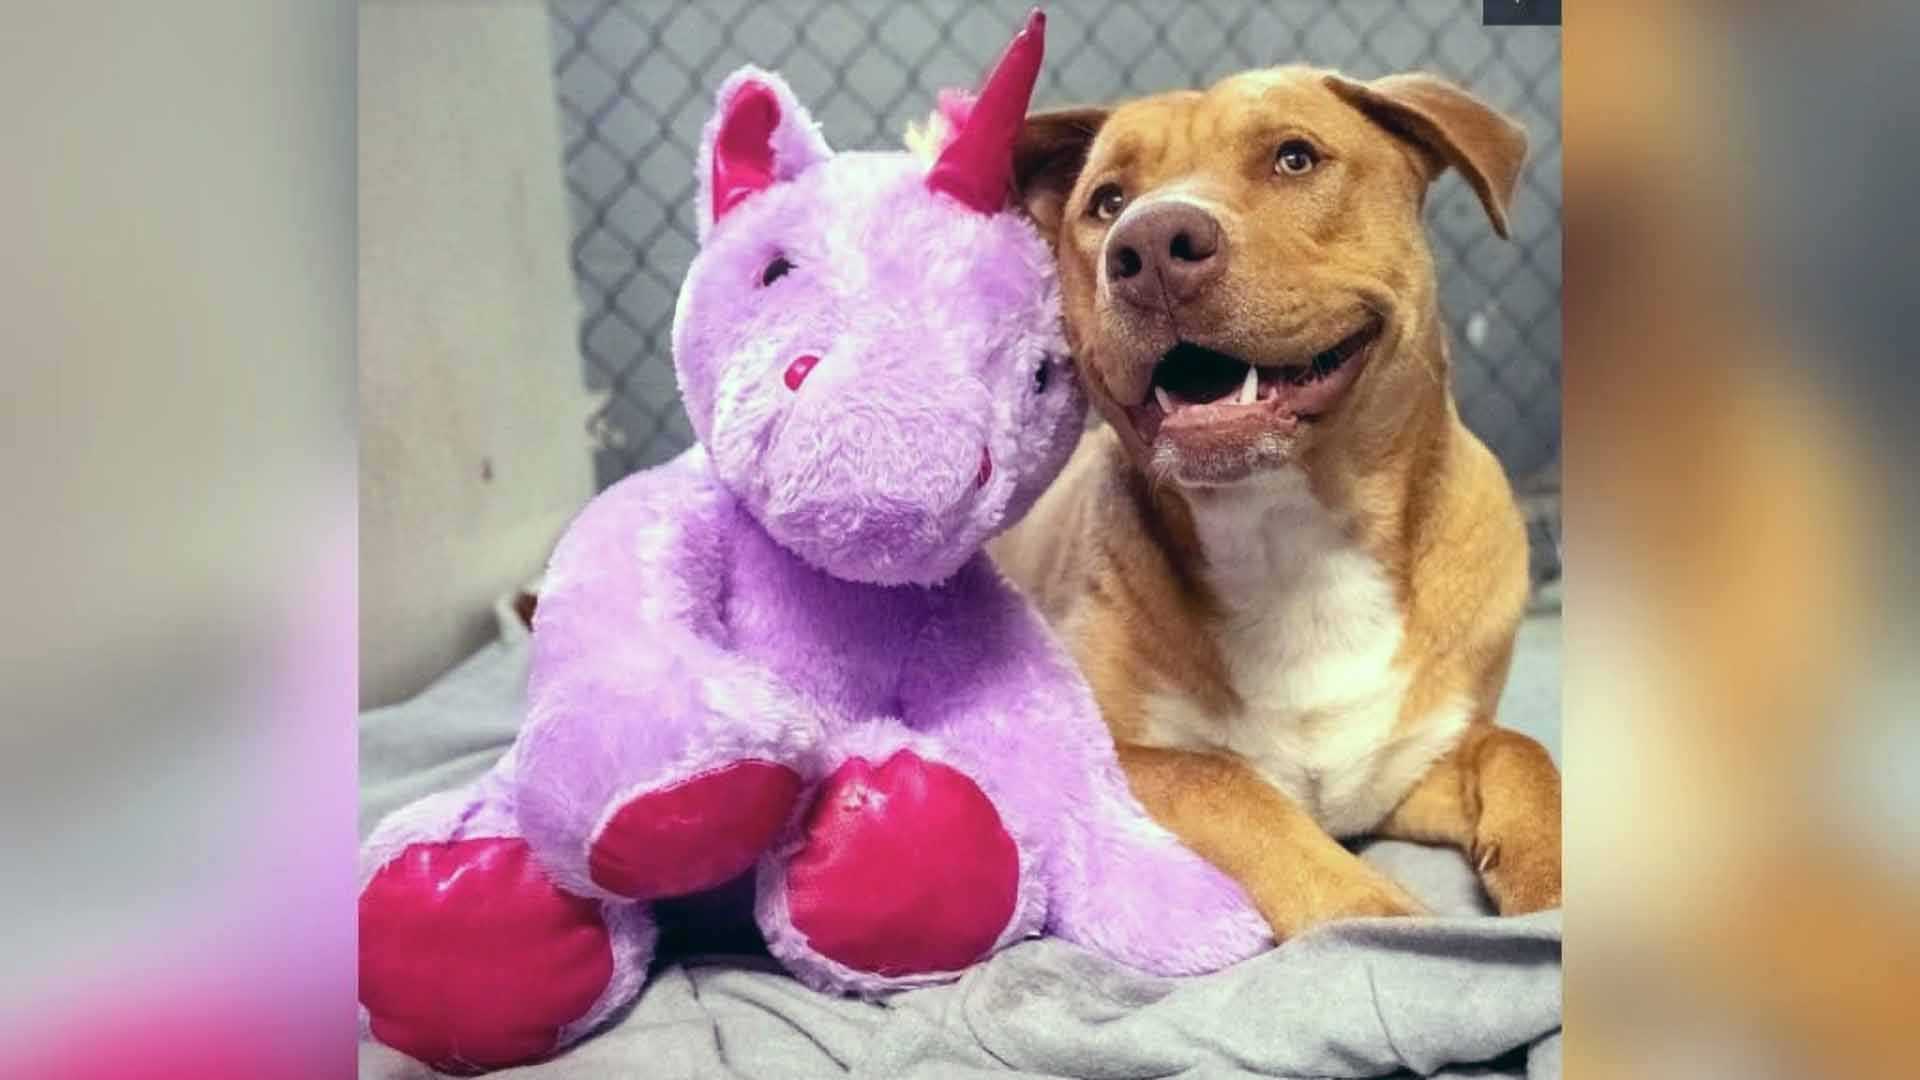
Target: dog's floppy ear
(1047, 160)
(1450, 127)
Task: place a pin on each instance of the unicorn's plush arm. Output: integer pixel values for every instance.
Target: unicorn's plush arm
(635, 694)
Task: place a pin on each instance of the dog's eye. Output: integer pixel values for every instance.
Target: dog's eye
(1040, 376)
(1296, 158)
(775, 270)
(1107, 201)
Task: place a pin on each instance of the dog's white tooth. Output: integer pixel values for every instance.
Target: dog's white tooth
(1166, 403)
(1250, 390)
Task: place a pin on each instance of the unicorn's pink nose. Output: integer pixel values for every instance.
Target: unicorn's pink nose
(798, 370)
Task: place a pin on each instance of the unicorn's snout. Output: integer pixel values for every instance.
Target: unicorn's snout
(874, 475)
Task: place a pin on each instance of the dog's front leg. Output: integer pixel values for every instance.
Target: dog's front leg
(1496, 797)
(1297, 875)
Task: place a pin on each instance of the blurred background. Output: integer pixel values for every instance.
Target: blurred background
(478, 427)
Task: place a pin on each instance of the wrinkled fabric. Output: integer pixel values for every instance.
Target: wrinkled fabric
(1453, 996)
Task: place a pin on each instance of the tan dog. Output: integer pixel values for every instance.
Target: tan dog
(1290, 573)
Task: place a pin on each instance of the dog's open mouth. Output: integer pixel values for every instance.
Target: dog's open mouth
(1196, 388)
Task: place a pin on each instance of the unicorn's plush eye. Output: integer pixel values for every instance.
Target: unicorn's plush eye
(1040, 376)
(775, 270)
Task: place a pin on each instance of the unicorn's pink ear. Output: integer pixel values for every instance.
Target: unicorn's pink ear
(758, 136)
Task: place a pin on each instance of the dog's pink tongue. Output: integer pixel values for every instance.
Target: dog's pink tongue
(1314, 398)
(1225, 422)
(1213, 412)
(1294, 400)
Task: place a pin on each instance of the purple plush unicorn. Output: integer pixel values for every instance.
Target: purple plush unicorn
(785, 653)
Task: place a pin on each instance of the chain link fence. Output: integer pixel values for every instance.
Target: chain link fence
(636, 78)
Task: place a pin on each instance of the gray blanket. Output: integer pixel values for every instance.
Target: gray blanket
(1460, 994)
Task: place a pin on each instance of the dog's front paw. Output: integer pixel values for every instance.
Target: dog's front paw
(1385, 901)
(1297, 902)
(1520, 869)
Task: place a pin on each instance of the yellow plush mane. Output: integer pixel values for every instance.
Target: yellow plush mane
(926, 142)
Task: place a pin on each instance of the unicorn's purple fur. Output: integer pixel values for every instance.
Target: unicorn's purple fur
(806, 588)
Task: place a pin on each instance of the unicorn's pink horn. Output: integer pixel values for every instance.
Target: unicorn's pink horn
(977, 165)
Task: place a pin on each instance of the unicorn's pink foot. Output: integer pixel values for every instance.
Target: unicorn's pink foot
(471, 960)
(694, 834)
(906, 869)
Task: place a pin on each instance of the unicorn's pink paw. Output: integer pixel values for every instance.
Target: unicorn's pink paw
(694, 834)
(471, 960)
(906, 868)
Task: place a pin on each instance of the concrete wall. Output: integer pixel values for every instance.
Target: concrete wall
(472, 410)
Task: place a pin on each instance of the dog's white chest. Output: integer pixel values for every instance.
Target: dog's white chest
(1310, 643)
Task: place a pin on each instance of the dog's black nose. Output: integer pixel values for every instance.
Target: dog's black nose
(1175, 246)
